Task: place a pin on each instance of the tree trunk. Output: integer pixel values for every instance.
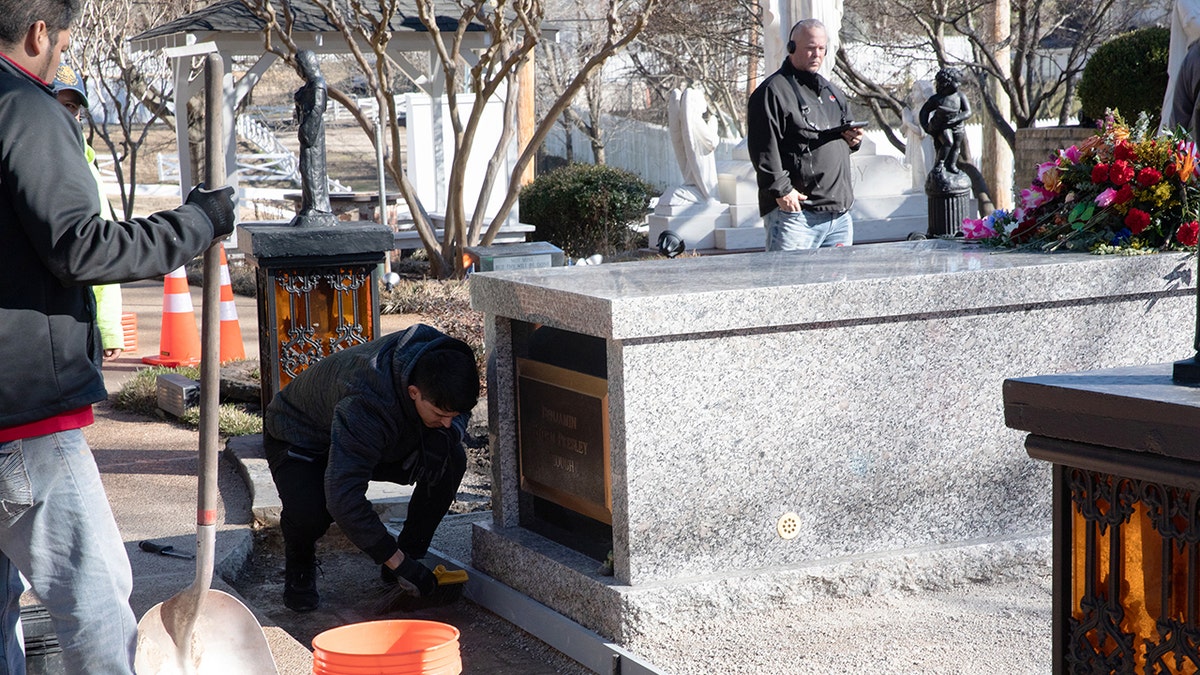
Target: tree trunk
(996, 159)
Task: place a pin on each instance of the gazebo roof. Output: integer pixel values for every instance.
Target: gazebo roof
(236, 29)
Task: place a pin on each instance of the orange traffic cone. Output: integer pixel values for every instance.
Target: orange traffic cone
(179, 343)
(231, 332)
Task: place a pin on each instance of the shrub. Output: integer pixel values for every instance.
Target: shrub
(586, 208)
(445, 305)
(1128, 74)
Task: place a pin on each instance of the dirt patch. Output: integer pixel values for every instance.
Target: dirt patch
(351, 592)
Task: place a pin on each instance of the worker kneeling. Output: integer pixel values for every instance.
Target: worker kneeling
(394, 410)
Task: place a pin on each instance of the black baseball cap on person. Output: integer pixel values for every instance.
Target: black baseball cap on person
(65, 78)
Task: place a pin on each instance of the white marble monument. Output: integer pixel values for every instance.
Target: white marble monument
(691, 209)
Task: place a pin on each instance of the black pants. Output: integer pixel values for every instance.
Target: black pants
(304, 518)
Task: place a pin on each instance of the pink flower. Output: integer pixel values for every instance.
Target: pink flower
(977, 228)
(1106, 198)
(1033, 197)
(1072, 154)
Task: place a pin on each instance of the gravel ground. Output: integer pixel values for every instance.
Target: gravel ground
(351, 592)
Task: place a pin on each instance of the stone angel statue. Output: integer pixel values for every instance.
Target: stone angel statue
(695, 141)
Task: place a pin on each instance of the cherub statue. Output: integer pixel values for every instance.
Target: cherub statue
(944, 118)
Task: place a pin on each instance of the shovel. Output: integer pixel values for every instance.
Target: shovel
(200, 630)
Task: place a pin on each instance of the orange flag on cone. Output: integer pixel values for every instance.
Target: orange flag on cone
(231, 332)
(179, 342)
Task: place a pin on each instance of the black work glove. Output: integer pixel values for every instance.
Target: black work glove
(416, 579)
(217, 205)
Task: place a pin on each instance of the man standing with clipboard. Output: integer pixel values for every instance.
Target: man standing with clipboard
(800, 139)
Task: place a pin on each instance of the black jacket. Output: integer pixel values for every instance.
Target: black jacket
(794, 141)
(54, 245)
(353, 407)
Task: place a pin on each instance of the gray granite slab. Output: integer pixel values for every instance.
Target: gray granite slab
(761, 290)
(858, 390)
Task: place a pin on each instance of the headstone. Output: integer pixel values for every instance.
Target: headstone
(522, 256)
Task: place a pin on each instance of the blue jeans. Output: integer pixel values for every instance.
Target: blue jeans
(57, 529)
(789, 231)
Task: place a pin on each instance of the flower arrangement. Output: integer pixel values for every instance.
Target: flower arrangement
(1123, 190)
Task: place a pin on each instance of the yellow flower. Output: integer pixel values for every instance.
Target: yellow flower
(1161, 193)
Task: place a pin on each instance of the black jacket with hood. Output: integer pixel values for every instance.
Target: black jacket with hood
(353, 408)
(794, 141)
(54, 245)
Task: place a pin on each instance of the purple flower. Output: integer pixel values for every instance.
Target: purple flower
(1105, 199)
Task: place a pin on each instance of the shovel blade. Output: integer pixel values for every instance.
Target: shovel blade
(227, 640)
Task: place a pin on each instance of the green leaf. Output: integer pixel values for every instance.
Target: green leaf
(1082, 212)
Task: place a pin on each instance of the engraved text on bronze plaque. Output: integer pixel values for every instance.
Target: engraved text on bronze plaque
(562, 418)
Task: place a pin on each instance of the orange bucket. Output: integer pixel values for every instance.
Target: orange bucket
(396, 647)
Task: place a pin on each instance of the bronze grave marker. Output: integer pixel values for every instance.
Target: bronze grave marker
(563, 438)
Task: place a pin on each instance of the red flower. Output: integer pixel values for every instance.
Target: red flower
(1099, 173)
(1148, 176)
(1124, 151)
(1025, 230)
(1187, 233)
(1170, 170)
(1120, 172)
(1137, 220)
(1125, 194)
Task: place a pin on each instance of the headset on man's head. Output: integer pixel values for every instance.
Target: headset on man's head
(791, 44)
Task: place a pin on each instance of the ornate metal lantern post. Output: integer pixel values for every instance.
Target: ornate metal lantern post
(316, 293)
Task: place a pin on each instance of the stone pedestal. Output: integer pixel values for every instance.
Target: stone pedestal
(694, 221)
(785, 425)
(316, 292)
(1126, 479)
(949, 196)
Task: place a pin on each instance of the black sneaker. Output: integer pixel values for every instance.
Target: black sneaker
(300, 587)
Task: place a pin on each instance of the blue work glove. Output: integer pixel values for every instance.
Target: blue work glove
(217, 205)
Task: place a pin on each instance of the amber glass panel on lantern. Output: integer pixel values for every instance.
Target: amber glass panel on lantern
(1141, 590)
(319, 313)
